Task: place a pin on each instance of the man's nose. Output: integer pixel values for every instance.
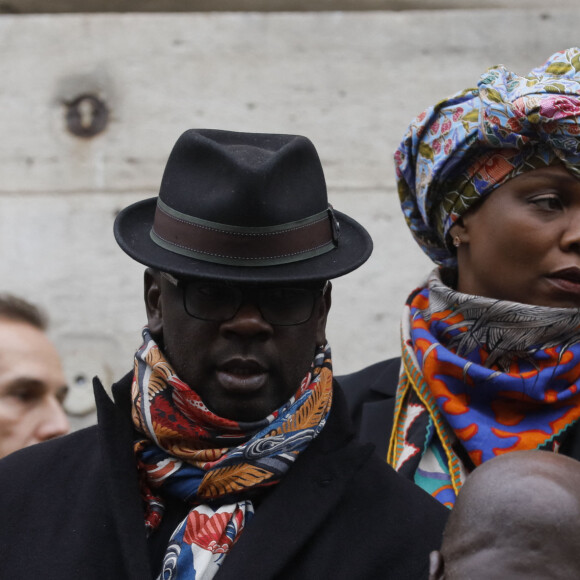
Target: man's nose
(54, 421)
(248, 321)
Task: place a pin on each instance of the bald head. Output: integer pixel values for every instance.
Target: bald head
(517, 516)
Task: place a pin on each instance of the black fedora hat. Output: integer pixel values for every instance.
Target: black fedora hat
(246, 207)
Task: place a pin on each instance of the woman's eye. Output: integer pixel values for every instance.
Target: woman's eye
(550, 202)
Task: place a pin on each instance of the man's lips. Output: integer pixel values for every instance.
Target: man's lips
(241, 375)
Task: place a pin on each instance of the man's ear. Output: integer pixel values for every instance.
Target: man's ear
(322, 312)
(152, 286)
(436, 566)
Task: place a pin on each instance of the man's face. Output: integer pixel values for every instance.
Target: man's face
(516, 517)
(243, 368)
(32, 388)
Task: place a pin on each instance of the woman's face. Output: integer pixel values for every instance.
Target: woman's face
(522, 243)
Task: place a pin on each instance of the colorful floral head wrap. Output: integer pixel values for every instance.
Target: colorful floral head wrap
(460, 150)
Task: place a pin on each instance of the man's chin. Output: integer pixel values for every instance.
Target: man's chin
(245, 413)
(246, 409)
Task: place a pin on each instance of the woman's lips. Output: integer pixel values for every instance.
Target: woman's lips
(242, 376)
(566, 280)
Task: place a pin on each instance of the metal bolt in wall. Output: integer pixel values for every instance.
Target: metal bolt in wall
(86, 116)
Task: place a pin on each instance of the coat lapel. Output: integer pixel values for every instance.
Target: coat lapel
(298, 506)
(115, 440)
(377, 424)
(377, 415)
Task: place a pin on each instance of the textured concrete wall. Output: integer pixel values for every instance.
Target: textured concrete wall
(350, 81)
(77, 6)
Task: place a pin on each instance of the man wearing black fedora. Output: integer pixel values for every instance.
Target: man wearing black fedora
(227, 451)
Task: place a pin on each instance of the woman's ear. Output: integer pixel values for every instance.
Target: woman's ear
(459, 233)
(153, 303)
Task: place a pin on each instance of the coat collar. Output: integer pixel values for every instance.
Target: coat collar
(309, 492)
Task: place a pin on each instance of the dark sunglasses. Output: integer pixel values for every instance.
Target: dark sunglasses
(219, 301)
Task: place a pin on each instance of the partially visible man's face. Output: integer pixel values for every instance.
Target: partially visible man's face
(243, 368)
(517, 517)
(32, 388)
(511, 561)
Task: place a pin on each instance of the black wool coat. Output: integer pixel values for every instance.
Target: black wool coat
(370, 395)
(71, 509)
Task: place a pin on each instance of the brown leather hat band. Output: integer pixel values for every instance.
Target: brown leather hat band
(245, 246)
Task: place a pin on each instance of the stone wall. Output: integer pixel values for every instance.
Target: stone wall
(351, 81)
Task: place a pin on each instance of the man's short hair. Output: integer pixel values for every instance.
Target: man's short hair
(20, 310)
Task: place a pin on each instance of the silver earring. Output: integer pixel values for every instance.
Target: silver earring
(456, 241)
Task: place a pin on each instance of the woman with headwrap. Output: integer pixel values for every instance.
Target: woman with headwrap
(489, 182)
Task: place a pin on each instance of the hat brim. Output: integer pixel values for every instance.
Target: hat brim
(132, 232)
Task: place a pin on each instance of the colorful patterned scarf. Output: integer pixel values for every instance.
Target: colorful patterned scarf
(480, 377)
(214, 464)
(460, 150)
